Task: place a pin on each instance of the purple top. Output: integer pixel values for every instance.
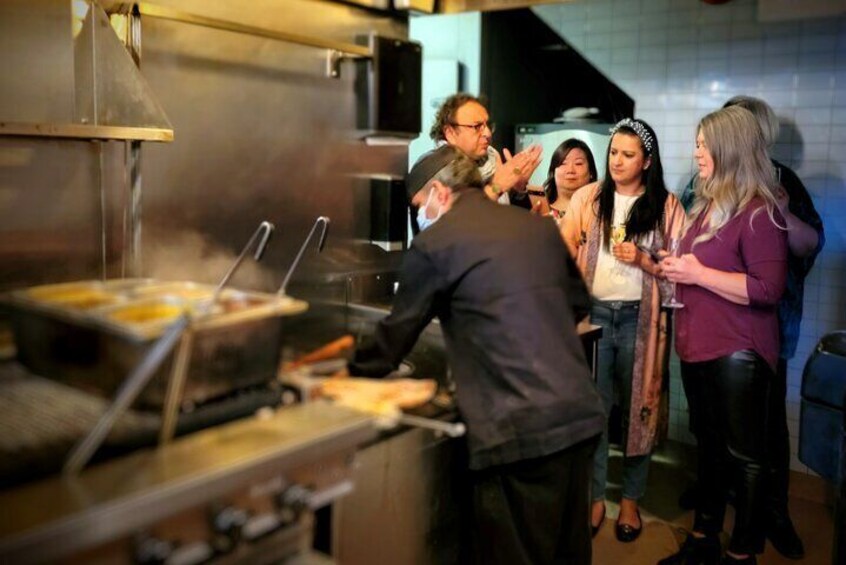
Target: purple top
(709, 326)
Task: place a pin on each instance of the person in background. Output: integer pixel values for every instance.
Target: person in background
(805, 239)
(462, 121)
(613, 228)
(731, 275)
(533, 415)
(571, 167)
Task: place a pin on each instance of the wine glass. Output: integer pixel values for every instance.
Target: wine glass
(618, 236)
(673, 249)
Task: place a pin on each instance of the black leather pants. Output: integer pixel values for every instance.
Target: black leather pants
(778, 447)
(729, 400)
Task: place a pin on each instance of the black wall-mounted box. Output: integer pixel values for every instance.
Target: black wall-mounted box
(382, 212)
(388, 87)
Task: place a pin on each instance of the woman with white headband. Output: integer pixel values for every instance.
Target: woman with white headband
(614, 228)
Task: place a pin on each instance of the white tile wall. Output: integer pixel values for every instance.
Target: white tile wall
(681, 59)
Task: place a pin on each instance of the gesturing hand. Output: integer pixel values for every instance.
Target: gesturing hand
(515, 170)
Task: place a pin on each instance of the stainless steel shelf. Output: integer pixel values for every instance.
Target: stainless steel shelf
(85, 131)
(164, 13)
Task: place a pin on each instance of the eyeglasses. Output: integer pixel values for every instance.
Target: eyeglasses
(478, 128)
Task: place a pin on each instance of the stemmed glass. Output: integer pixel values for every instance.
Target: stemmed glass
(618, 236)
(673, 249)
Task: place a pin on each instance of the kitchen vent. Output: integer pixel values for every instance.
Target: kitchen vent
(58, 81)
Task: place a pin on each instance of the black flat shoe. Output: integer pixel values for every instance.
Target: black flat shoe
(696, 551)
(595, 529)
(627, 533)
(782, 534)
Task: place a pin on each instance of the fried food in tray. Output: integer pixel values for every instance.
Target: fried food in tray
(77, 296)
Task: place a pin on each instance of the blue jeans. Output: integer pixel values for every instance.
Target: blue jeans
(614, 369)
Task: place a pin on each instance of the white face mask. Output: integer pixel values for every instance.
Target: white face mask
(423, 221)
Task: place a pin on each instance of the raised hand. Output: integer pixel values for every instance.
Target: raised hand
(515, 170)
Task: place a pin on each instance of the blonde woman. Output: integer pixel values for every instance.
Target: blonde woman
(612, 228)
(730, 275)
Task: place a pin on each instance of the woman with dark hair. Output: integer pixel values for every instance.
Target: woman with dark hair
(614, 228)
(731, 275)
(571, 167)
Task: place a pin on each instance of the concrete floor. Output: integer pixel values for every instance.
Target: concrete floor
(664, 522)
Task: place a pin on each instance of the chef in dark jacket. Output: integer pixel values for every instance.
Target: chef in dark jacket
(508, 297)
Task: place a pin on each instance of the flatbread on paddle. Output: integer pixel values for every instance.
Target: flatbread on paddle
(378, 396)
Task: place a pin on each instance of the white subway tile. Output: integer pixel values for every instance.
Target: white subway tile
(746, 48)
(813, 116)
(599, 9)
(812, 135)
(626, 8)
(817, 62)
(597, 40)
(781, 45)
(624, 39)
(685, 16)
(786, 63)
(654, 23)
(600, 57)
(779, 30)
(740, 66)
(746, 30)
(709, 51)
(712, 14)
(654, 6)
(839, 97)
(652, 53)
(813, 98)
(825, 44)
(838, 137)
(820, 26)
(658, 72)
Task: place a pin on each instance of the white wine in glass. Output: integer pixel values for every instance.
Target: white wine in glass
(673, 249)
(618, 236)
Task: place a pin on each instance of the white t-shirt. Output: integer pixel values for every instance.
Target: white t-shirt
(613, 279)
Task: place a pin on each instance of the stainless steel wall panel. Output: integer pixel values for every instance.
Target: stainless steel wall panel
(37, 65)
(260, 133)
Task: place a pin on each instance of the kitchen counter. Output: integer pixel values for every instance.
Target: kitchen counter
(58, 516)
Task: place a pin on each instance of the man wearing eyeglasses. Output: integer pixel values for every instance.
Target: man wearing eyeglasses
(463, 122)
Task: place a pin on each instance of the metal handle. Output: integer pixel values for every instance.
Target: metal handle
(132, 386)
(452, 429)
(320, 220)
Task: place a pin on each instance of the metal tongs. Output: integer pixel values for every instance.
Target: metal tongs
(146, 368)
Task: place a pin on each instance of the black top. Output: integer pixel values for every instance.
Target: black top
(508, 296)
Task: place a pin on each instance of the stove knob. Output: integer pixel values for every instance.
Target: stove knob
(152, 551)
(227, 523)
(295, 499)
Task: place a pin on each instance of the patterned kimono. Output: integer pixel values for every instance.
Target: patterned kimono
(583, 236)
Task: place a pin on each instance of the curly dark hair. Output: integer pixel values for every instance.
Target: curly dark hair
(446, 113)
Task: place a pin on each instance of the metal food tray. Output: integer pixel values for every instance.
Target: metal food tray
(236, 346)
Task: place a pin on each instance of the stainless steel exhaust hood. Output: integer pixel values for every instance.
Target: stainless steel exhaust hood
(65, 73)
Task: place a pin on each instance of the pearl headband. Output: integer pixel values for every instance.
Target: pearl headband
(639, 129)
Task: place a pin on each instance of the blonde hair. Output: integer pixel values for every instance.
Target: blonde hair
(742, 169)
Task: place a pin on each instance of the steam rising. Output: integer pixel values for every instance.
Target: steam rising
(190, 256)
